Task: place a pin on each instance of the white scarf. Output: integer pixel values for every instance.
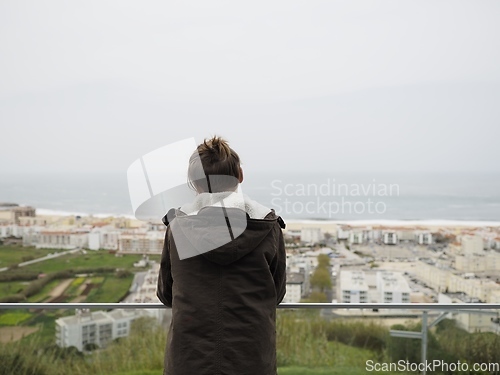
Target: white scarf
(229, 200)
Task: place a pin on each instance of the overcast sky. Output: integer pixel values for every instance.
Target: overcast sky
(293, 85)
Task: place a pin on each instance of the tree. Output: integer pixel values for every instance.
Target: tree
(90, 347)
(321, 279)
(316, 297)
(323, 261)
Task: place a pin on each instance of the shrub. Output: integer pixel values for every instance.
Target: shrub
(13, 298)
(123, 274)
(364, 335)
(36, 286)
(18, 275)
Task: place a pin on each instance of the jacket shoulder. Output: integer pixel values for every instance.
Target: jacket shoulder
(171, 215)
(272, 216)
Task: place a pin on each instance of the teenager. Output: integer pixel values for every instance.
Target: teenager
(222, 272)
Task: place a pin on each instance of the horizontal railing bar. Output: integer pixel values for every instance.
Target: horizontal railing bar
(461, 307)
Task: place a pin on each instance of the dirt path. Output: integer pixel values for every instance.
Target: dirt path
(10, 334)
(59, 289)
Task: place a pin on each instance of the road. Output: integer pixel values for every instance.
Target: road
(138, 281)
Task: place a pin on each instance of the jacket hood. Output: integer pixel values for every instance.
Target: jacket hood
(221, 235)
(222, 227)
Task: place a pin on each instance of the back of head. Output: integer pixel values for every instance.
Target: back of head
(214, 167)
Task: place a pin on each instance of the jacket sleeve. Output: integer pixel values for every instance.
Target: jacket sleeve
(278, 267)
(165, 281)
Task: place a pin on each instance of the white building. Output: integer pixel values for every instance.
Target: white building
(472, 245)
(11, 212)
(98, 327)
(104, 238)
(311, 235)
(31, 235)
(390, 238)
(146, 292)
(57, 239)
(353, 287)
(5, 230)
(357, 238)
(300, 264)
(406, 235)
(294, 286)
(489, 261)
(150, 242)
(343, 233)
(424, 238)
(392, 287)
(442, 278)
(471, 322)
(84, 328)
(435, 275)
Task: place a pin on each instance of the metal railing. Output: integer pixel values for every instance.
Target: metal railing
(458, 307)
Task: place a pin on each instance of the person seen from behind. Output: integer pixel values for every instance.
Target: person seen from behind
(223, 272)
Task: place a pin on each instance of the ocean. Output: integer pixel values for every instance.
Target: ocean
(334, 196)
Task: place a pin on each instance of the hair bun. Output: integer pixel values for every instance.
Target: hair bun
(218, 146)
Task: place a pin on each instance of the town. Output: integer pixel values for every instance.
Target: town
(326, 262)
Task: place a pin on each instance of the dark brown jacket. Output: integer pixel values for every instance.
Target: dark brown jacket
(224, 300)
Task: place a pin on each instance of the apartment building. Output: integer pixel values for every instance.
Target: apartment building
(392, 287)
(406, 235)
(390, 238)
(98, 327)
(443, 278)
(311, 235)
(424, 238)
(353, 287)
(433, 274)
(104, 238)
(357, 238)
(486, 262)
(62, 239)
(294, 287)
(11, 213)
(299, 264)
(472, 245)
(150, 242)
(471, 322)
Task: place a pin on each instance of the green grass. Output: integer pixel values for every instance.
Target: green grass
(281, 371)
(10, 255)
(8, 288)
(111, 290)
(46, 322)
(85, 261)
(13, 318)
(318, 371)
(72, 290)
(155, 257)
(97, 279)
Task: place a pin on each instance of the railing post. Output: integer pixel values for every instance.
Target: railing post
(424, 342)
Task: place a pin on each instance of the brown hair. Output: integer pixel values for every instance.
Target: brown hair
(214, 167)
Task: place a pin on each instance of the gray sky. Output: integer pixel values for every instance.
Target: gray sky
(293, 85)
